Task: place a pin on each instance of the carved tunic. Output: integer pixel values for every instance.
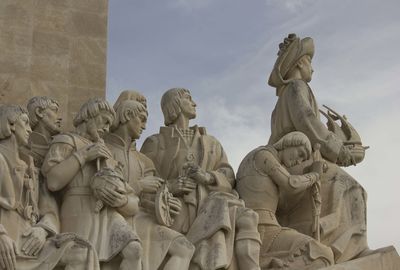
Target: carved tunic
(209, 213)
(19, 194)
(169, 151)
(107, 230)
(156, 239)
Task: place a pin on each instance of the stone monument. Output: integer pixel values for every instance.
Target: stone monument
(85, 198)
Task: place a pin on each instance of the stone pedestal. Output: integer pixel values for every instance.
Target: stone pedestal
(55, 48)
(385, 259)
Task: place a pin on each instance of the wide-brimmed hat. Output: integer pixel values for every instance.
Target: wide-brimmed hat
(290, 51)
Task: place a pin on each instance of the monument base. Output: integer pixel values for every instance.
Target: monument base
(386, 259)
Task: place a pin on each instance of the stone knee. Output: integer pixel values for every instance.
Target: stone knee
(247, 225)
(181, 247)
(132, 251)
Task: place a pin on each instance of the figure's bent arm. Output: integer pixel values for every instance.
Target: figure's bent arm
(304, 118)
(286, 182)
(60, 166)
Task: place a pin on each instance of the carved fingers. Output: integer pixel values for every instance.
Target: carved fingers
(112, 197)
(151, 184)
(36, 238)
(199, 175)
(175, 205)
(96, 150)
(8, 259)
(182, 185)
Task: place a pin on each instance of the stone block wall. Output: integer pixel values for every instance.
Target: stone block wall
(55, 48)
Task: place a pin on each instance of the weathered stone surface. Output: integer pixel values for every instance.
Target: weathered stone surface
(53, 47)
(387, 259)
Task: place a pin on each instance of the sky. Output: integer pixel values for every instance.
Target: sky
(224, 51)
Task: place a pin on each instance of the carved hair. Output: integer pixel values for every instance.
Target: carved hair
(171, 104)
(127, 109)
(130, 95)
(9, 114)
(293, 139)
(41, 102)
(91, 109)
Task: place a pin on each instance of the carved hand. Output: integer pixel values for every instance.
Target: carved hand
(112, 198)
(150, 184)
(175, 205)
(200, 176)
(94, 151)
(36, 237)
(345, 158)
(7, 252)
(319, 167)
(182, 185)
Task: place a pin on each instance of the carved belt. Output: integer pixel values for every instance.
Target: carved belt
(79, 191)
(266, 217)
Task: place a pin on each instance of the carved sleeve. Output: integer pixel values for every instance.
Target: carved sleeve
(268, 164)
(150, 148)
(222, 170)
(7, 193)
(57, 153)
(303, 112)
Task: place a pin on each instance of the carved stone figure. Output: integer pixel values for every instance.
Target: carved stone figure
(130, 95)
(197, 171)
(263, 182)
(161, 245)
(343, 216)
(73, 162)
(45, 123)
(28, 236)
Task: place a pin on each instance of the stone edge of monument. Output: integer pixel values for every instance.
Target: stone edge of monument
(386, 259)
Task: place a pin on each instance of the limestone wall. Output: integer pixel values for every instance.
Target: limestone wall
(55, 48)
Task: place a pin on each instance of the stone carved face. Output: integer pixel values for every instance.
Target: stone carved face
(188, 106)
(293, 156)
(305, 68)
(51, 119)
(137, 124)
(22, 129)
(99, 125)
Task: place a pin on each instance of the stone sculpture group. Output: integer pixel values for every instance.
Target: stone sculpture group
(88, 199)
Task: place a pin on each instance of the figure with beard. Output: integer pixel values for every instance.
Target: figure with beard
(263, 182)
(70, 166)
(29, 239)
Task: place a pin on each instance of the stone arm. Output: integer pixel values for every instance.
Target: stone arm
(48, 210)
(131, 207)
(304, 115)
(7, 192)
(267, 164)
(60, 166)
(150, 149)
(222, 171)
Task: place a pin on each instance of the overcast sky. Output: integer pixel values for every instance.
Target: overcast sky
(224, 50)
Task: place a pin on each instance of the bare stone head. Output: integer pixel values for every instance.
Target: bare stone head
(44, 114)
(14, 121)
(95, 118)
(293, 148)
(133, 115)
(177, 101)
(130, 95)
